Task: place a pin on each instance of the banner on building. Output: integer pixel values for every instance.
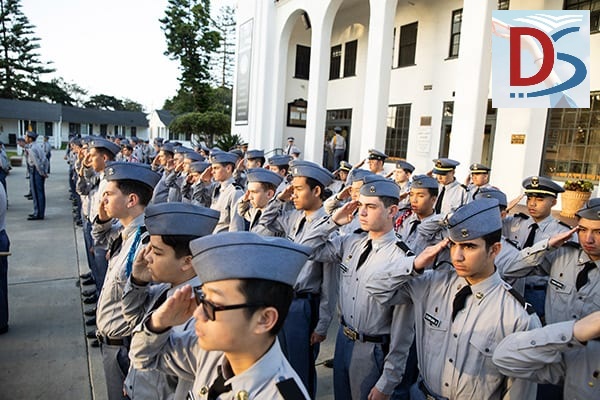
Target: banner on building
(244, 62)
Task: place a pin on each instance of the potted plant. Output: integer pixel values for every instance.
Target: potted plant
(576, 193)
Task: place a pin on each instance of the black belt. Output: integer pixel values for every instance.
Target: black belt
(304, 295)
(426, 392)
(112, 342)
(535, 287)
(353, 335)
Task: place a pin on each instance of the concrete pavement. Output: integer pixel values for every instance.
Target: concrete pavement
(45, 354)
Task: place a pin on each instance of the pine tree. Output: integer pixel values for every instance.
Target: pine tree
(222, 65)
(20, 67)
(192, 41)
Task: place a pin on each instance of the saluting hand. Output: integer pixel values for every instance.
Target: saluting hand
(206, 176)
(102, 214)
(561, 238)
(427, 256)
(514, 202)
(345, 213)
(176, 310)
(286, 194)
(140, 271)
(345, 193)
(246, 196)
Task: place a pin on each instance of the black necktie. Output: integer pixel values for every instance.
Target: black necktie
(413, 228)
(438, 202)
(115, 246)
(365, 253)
(218, 387)
(459, 300)
(217, 191)
(300, 226)
(582, 276)
(531, 237)
(256, 218)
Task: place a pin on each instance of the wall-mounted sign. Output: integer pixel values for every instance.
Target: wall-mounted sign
(517, 138)
(296, 115)
(242, 87)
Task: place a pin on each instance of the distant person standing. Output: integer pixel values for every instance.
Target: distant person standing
(38, 172)
(4, 167)
(291, 148)
(4, 248)
(47, 149)
(338, 144)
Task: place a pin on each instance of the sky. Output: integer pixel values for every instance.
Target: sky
(112, 47)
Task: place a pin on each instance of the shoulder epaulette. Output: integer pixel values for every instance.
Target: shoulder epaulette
(528, 307)
(238, 186)
(565, 224)
(404, 247)
(144, 234)
(513, 243)
(359, 231)
(521, 215)
(290, 390)
(464, 187)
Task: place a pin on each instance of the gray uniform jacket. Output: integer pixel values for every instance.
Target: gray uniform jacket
(250, 214)
(331, 205)
(226, 203)
(36, 157)
(428, 232)
(563, 301)
(455, 358)
(175, 183)
(455, 195)
(313, 277)
(552, 355)
(161, 190)
(404, 203)
(474, 189)
(359, 310)
(109, 314)
(180, 354)
(138, 301)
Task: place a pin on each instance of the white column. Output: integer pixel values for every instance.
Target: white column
(472, 83)
(377, 74)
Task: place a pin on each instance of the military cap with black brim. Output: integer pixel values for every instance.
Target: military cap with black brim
(540, 186)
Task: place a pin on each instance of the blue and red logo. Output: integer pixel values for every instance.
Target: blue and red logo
(540, 59)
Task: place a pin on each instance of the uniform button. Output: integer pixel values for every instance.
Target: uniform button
(451, 360)
(446, 384)
(455, 335)
(563, 338)
(580, 298)
(595, 374)
(574, 316)
(487, 350)
(533, 342)
(351, 317)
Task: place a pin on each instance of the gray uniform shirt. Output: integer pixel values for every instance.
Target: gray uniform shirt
(563, 300)
(226, 203)
(552, 355)
(36, 157)
(455, 195)
(181, 355)
(429, 231)
(455, 358)
(359, 310)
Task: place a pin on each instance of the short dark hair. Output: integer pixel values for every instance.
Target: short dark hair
(143, 191)
(433, 191)
(313, 183)
(267, 186)
(492, 238)
(104, 151)
(270, 293)
(388, 201)
(179, 243)
(262, 160)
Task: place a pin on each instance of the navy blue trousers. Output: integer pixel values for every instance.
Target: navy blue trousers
(38, 191)
(4, 246)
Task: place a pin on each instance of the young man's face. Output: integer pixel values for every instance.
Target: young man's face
(304, 197)
(259, 197)
(375, 165)
(422, 202)
(373, 215)
(164, 157)
(343, 175)
(445, 179)
(115, 202)
(540, 207)
(221, 172)
(231, 330)
(278, 170)
(589, 237)
(186, 164)
(97, 159)
(401, 176)
(472, 260)
(126, 152)
(253, 163)
(355, 192)
(163, 263)
(480, 179)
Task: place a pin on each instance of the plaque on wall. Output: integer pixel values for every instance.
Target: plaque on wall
(296, 115)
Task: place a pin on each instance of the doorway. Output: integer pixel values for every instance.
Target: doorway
(343, 119)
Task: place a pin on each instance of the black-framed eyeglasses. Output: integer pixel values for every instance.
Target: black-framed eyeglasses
(210, 309)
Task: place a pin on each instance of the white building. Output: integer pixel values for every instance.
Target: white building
(408, 77)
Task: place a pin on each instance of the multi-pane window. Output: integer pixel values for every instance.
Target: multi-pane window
(592, 5)
(48, 128)
(455, 33)
(408, 44)
(335, 62)
(503, 4)
(74, 128)
(350, 52)
(398, 122)
(302, 62)
(572, 142)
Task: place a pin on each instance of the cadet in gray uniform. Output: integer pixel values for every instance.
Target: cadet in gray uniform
(370, 353)
(39, 168)
(451, 193)
(314, 291)
(402, 175)
(478, 179)
(164, 164)
(194, 189)
(128, 191)
(239, 309)
(565, 352)
(541, 195)
(262, 184)
(280, 165)
(255, 159)
(574, 278)
(167, 261)
(461, 314)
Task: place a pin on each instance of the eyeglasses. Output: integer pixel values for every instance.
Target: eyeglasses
(210, 309)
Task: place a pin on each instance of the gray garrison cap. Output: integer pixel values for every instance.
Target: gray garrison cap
(247, 255)
(180, 219)
(199, 166)
(442, 166)
(311, 170)
(250, 154)
(223, 157)
(105, 144)
(357, 175)
(118, 170)
(591, 210)
(263, 175)
(492, 193)
(375, 185)
(540, 186)
(424, 182)
(32, 135)
(474, 220)
(168, 147)
(280, 160)
(405, 165)
(192, 155)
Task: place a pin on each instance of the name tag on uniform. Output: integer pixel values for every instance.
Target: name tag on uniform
(343, 267)
(432, 320)
(557, 284)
